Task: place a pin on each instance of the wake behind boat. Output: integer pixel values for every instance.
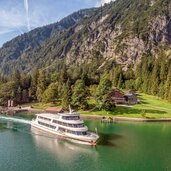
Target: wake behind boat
(66, 125)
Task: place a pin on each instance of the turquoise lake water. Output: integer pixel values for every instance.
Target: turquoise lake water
(122, 147)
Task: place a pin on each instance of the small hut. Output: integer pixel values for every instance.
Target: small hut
(54, 110)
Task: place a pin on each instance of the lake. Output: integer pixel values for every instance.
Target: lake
(122, 147)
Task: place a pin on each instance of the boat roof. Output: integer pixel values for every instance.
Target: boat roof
(68, 114)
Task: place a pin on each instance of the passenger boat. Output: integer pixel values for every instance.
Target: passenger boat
(66, 125)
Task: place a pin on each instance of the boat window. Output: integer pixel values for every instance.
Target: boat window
(68, 125)
(47, 125)
(61, 129)
(70, 117)
(55, 121)
(77, 132)
(47, 119)
(84, 133)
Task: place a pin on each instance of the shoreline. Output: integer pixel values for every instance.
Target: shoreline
(115, 118)
(125, 119)
(107, 119)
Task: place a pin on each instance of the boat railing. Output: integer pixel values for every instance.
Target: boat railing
(76, 128)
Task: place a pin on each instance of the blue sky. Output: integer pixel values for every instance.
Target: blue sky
(19, 16)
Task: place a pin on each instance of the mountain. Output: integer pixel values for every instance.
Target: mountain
(122, 32)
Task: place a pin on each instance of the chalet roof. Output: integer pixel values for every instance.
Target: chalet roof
(130, 94)
(132, 91)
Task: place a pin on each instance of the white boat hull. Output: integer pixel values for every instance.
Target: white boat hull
(63, 135)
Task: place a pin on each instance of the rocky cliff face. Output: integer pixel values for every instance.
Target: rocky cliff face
(111, 43)
(123, 31)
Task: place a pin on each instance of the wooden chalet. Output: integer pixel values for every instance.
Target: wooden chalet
(117, 96)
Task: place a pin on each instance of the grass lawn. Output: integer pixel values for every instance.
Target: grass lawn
(151, 107)
(41, 106)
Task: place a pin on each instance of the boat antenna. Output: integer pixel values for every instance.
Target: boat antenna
(96, 130)
(70, 110)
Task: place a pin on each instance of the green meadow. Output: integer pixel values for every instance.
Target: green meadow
(149, 107)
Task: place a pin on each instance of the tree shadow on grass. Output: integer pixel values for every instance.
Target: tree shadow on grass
(129, 110)
(142, 100)
(120, 110)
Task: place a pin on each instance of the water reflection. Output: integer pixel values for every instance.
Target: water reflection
(63, 150)
(109, 139)
(1, 127)
(5, 126)
(10, 125)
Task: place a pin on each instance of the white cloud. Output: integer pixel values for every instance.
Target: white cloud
(102, 2)
(11, 20)
(4, 31)
(14, 17)
(26, 6)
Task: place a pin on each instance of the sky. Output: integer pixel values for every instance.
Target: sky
(20, 16)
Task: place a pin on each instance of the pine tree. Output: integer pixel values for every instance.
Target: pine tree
(168, 86)
(102, 94)
(67, 94)
(16, 77)
(117, 72)
(7, 92)
(145, 74)
(169, 94)
(34, 81)
(163, 68)
(85, 78)
(80, 94)
(41, 85)
(18, 95)
(51, 93)
(161, 90)
(25, 81)
(154, 88)
(120, 81)
(25, 96)
(64, 75)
